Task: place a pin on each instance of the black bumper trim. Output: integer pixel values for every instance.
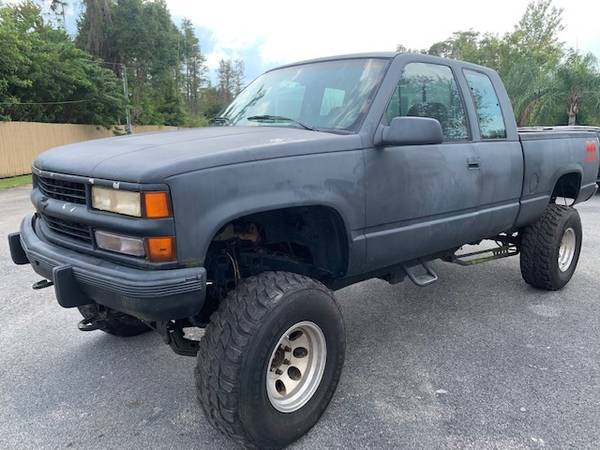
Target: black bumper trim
(81, 279)
(69, 293)
(16, 249)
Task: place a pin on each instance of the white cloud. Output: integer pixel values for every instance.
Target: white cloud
(286, 31)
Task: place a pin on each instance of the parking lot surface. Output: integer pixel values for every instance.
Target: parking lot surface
(478, 360)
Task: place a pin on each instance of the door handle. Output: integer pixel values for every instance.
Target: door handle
(473, 163)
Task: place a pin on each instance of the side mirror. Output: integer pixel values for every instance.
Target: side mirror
(410, 130)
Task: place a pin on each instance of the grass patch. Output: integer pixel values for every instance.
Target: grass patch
(6, 183)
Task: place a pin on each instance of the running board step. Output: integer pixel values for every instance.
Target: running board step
(42, 284)
(421, 274)
(482, 256)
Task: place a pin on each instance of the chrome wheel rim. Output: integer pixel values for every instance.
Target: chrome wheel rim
(296, 367)
(566, 252)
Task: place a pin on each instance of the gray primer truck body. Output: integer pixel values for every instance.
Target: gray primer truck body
(389, 204)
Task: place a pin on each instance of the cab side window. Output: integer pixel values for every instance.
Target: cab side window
(430, 90)
(489, 113)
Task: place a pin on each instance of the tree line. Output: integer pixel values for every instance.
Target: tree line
(548, 83)
(48, 76)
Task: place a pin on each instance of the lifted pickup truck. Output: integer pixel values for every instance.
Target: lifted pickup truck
(321, 174)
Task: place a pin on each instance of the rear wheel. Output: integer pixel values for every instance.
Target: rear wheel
(550, 248)
(113, 322)
(271, 359)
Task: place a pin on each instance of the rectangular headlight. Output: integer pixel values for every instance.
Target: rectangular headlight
(117, 201)
(120, 244)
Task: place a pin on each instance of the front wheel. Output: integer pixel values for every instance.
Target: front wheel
(271, 359)
(550, 248)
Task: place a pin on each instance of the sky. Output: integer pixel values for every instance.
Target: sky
(268, 33)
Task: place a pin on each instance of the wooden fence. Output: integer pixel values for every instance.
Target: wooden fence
(21, 142)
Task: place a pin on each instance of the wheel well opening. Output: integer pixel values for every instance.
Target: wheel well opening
(567, 187)
(309, 240)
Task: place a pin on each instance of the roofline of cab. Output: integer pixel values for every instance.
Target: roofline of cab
(380, 55)
(372, 55)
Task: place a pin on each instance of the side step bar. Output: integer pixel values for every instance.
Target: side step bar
(482, 256)
(421, 274)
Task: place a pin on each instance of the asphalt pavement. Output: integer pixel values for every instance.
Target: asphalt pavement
(478, 360)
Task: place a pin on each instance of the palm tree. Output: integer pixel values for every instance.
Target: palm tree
(581, 75)
(527, 84)
(574, 88)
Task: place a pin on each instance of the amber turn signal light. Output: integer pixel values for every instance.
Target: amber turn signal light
(161, 249)
(156, 205)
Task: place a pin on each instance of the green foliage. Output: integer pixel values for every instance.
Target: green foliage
(536, 35)
(547, 84)
(213, 102)
(46, 76)
(195, 121)
(166, 69)
(194, 68)
(231, 79)
(573, 92)
(41, 65)
(144, 37)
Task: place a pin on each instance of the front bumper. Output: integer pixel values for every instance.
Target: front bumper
(81, 279)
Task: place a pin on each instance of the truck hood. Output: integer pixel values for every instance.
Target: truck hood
(153, 157)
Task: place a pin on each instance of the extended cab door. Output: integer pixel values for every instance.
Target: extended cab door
(498, 150)
(422, 199)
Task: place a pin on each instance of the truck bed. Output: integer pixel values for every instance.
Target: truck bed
(550, 154)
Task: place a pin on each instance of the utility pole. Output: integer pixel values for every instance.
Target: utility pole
(126, 93)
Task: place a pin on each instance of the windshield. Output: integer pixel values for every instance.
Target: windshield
(329, 95)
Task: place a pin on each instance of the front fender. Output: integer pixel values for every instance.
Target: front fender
(204, 201)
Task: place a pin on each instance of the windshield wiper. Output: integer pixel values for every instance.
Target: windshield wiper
(268, 117)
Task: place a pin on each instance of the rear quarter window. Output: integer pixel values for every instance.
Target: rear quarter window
(487, 105)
